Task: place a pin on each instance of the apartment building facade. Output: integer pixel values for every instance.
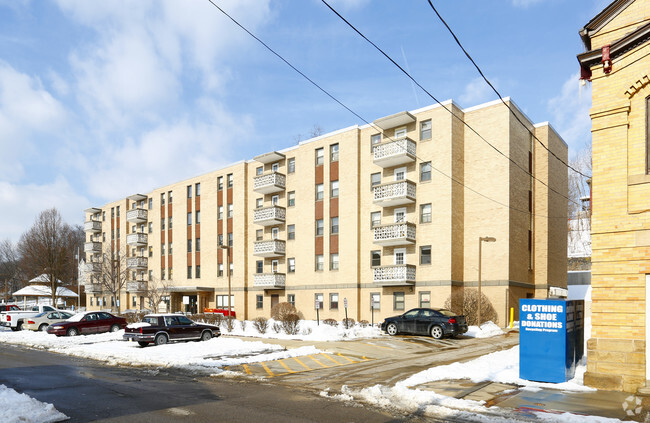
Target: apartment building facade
(377, 219)
(617, 43)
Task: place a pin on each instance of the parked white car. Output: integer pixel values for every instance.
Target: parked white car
(43, 320)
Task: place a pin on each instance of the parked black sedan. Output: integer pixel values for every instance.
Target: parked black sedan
(436, 322)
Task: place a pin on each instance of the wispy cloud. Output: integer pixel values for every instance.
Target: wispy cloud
(570, 112)
(477, 91)
(525, 3)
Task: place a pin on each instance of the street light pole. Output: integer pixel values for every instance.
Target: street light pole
(227, 248)
(480, 242)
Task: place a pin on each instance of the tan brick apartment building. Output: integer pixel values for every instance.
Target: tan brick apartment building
(617, 44)
(387, 216)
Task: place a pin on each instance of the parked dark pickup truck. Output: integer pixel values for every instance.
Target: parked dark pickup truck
(159, 329)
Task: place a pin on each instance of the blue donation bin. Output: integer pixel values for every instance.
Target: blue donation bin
(551, 336)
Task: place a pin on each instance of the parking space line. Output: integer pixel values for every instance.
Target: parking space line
(318, 362)
(267, 369)
(247, 369)
(285, 366)
(328, 356)
(349, 359)
(301, 363)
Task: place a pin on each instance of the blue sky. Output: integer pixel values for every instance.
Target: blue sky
(101, 100)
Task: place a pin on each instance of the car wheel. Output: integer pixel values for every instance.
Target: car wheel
(43, 327)
(391, 329)
(160, 339)
(14, 328)
(206, 336)
(115, 328)
(436, 332)
(19, 326)
(143, 344)
(73, 332)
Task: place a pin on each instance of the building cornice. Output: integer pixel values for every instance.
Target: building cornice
(617, 48)
(601, 19)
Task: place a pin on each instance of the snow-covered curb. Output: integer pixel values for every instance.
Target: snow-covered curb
(16, 407)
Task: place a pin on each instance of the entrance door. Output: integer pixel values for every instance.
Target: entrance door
(192, 306)
(275, 300)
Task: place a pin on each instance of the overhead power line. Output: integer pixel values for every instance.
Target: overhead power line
(497, 92)
(372, 124)
(446, 108)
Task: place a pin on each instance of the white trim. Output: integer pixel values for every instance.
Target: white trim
(398, 170)
(397, 251)
(396, 212)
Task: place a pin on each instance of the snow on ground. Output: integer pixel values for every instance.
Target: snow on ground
(487, 330)
(16, 407)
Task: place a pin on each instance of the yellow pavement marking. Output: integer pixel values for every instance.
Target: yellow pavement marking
(267, 369)
(349, 359)
(248, 371)
(285, 366)
(301, 363)
(318, 362)
(331, 359)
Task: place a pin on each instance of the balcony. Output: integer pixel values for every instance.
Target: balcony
(394, 153)
(269, 183)
(136, 262)
(273, 248)
(93, 247)
(399, 275)
(270, 280)
(394, 194)
(93, 226)
(91, 267)
(139, 240)
(94, 288)
(136, 286)
(394, 234)
(136, 215)
(268, 216)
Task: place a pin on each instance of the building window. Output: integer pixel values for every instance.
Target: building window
(197, 189)
(231, 269)
(169, 221)
(189, 245)
(189, 218)
(220, 215)
(334, 301)
(375, 219)
(197, 272)
(425, 213)
(169, 197)
(259, 170)
(320, 156)
(197, 245)
(162, 249)
(220, 183)
(150, 227)
(189, 272)
(375, 258)
(275, 233)
(189, 191)
(259, 203)
(220, 239)
(334, 261)
(222, 301)
(375, 179)
(291, 165)
(275, 167)
(170, 248)
(230, 239)
(425, 171)
(374, 140)
(150, 203)
(291, 231)
(320, 229)
(318, 301)
(375, 300)
(425, 299)
(162, 223)
(291, 299)
(259, 301)
(399, 255)
(334, 189)
(259, 234)
(425, 254)
(334, 227)
(230, 180)
(259, 266)
(275, 200)
(150, 251)
(291, 265)
(319, 262)
(291, 198)
(400, 174)
(334, 153)
(320, 193)
(400, 133)
(274, 266)
(150, 275)
(162, 273)
(425, 130)
(113, 209)
(198, 217)
(220, 270)
(231, 211)
(398, 301)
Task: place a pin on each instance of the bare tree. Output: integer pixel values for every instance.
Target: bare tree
(466, 302)
(46, 248)
(10, 272)
(156, 290)
(113, 272)
(579, 211)
(315, 131)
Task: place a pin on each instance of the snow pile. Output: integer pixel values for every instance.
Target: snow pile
(15, 407)
(309, 330)
(487, 330)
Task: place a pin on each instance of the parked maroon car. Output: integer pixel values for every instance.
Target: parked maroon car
(158, 329)
(87, 323)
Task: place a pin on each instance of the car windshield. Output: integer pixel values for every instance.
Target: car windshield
(445, 312)
(77, 317)
(41, 314)
(150, 319)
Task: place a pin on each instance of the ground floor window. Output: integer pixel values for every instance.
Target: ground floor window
(222, 301)
(134, 301)
(334, 301)
(91, 300)
(291, 299)
(398, 301)
(425, 299)
(259, 301)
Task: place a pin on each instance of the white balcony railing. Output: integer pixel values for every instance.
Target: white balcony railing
(93, 226)
(91, 267)
(93, 247)
(137, 239)
(269, 183)
(93, 287)
(395, 234)
(270, 280)
(136, 286)
(267, 216)
(394, 153)
(136, 215)
(403, 274)
(136, 262)
(272, 248)
(394, 193)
